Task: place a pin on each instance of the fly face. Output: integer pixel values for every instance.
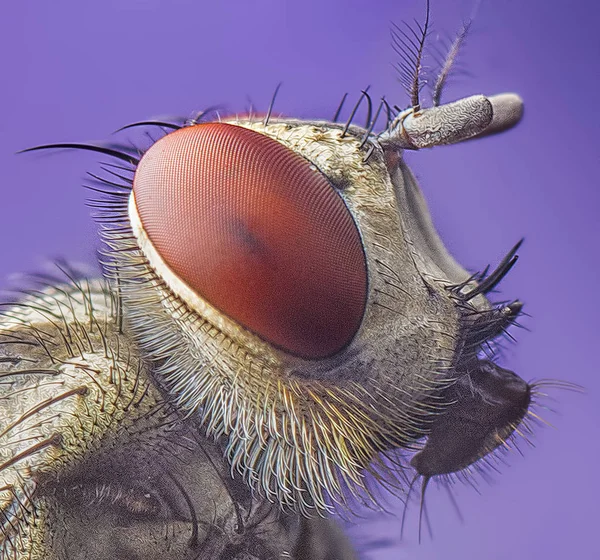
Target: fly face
(333, 343)
(286, 281)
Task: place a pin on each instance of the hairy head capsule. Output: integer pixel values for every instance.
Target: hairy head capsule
(307, 372)
(472, 117)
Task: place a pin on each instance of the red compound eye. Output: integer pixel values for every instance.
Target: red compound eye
(257, 232)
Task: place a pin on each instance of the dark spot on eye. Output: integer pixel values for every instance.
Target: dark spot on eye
(247, 238)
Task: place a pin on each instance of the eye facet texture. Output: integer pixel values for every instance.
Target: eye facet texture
(257, 232)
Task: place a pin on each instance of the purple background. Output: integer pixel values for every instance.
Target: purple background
(77, 70)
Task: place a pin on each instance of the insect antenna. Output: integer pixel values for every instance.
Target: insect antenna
(270, 110)
(336, 116)
(409, 43)
(449, 61)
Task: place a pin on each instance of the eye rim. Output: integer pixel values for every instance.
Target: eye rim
(175, 286)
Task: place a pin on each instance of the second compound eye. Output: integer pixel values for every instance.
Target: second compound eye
(255, 230)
